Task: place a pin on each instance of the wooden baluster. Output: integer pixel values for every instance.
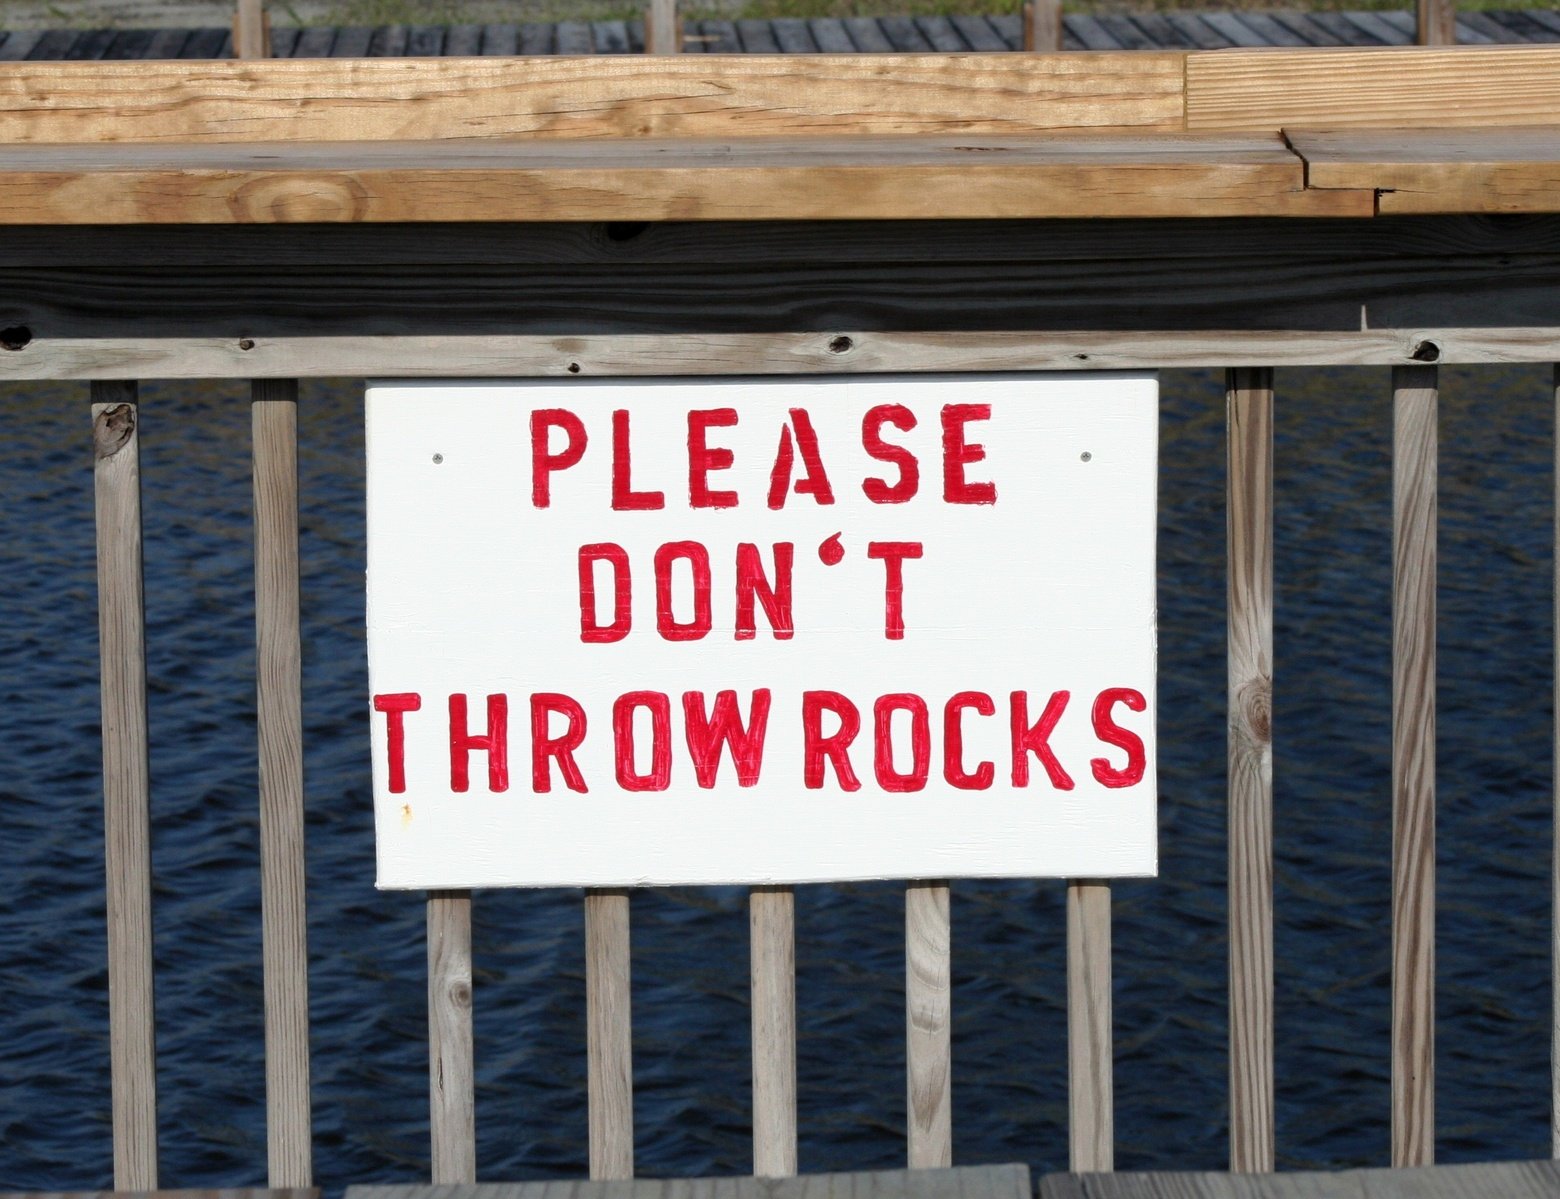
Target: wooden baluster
(772, 928)
(609, 1035)
(451, 1063)
(1249, 528)
(1437, 24)
(928, 1024)
(663, 28)
(251, 30)
(1554, 861)
(1090, 1083)
(116, 474)
(278, 658)
(1413, 764)
(1043, 26)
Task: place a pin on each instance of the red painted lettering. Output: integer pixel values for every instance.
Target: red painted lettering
(624, 497)
(707, 733)
(816, 747)
(543, 460)
(543, 746)
(703, 458)
(495, 743)
(815, 482)
(878, 490)
(776, 597)
(660, 709)
(699, 559)
(622, 611)
(957, 454)
(1111, 733)
(395, 705)
(953, 742)
(883, 711)
(1036, 739)
(893, 555)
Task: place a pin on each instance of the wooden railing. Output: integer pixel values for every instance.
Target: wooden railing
(1471, 281)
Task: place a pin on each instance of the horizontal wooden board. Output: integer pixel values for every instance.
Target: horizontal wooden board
(606, 96)
(665, 179)
(499, 356)
(1510, 1180)
(1435, 170)
(963, 1182)
(1387, 87)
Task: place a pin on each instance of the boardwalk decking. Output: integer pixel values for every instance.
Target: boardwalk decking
(869, 35)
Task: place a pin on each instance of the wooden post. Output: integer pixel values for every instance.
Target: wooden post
(928, 1025)
(663, 28)
(1090, 1084)
(451, 1064)
(279, 689)
(251, 30)
(1249, 529)
(1554, 857)
(609, 1035)
(772, 928)
(1414, 447)
(1437, 22)
(1043, 26)
(116, 474)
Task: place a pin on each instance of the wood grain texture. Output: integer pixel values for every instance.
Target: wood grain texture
(1436, 22)
(278, 661)
(759, 353)
(766, 178)
(928, 1024)
(1090, 1057)
(1412, 87)
(451, 1060)
(1414, 452)
(772, 931)
(1249, 527)
(1511, 169)
(967, 1182)
(1509, 1180)
(116, 444)
(596, 97)
(609, 1035)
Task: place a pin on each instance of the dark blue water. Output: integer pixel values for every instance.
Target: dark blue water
(690, 965)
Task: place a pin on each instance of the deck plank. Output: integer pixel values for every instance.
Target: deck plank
(537, 38)
(831, 35)
(1510, 1180)
(389, 41)
(611, 37)
(1201, 34)
(352, 41)
(1522, 27)
(1010, 28)
(425, 41)
(793, 36)
(501, 41)
(903, 35)
(1236, 30)
(463, 40)
(1089, 32)
(757, 37)
(1271, 31)
(868, 36)
(1313, 33)
(1161, 32)
(315, 42)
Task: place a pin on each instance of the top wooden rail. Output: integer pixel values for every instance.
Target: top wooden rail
(1224, 133)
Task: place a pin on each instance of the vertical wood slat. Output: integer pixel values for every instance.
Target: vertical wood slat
(251, 30)
(1249, 529)
(928, 1024)
(1414, 448)
(1043, 26)
(451, 1062)
(663, 28)
(1554, 859)
(1090, 1084)
(609, 1035)
(278, 658)
(126, 782)
(772, 930)
(1437, 23)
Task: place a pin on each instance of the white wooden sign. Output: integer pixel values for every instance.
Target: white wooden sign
(766, 630)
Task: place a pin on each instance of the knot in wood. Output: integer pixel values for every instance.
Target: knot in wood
(112, 429)
(1253, 715)
(460, 995)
